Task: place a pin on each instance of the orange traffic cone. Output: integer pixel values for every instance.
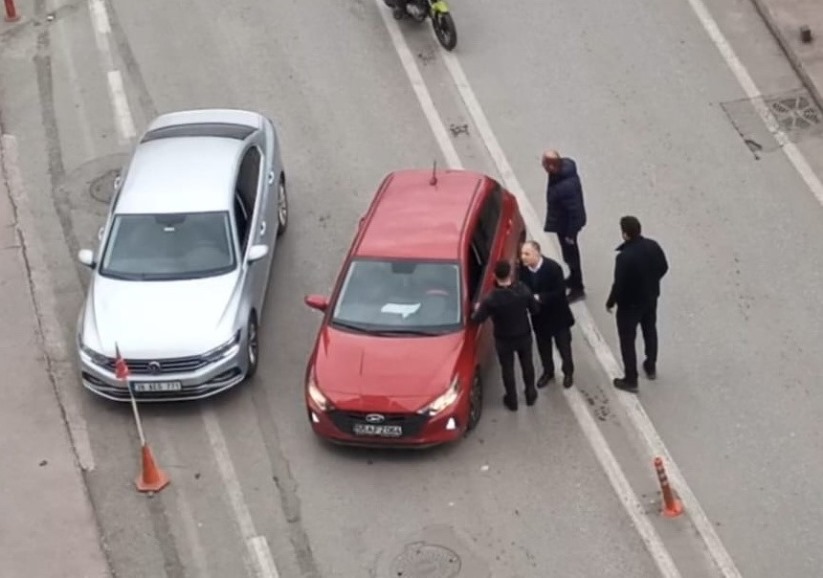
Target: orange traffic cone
(151, 478)
(672, 507)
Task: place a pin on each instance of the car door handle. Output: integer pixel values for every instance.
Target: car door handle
(262, 228)
(271, 177)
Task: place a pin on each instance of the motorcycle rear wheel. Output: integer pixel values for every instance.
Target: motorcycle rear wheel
(445, 30)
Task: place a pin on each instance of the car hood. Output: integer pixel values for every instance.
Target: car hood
(159, 318)
(372, 373)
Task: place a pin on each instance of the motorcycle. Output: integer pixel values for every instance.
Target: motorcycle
(440, 16)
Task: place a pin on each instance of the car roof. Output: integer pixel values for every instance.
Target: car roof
(412, 219)
(178, 174)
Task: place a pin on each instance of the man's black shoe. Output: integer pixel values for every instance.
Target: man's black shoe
(576, 295)
(622, 383)
(509, 405)
(531, 399)
(568, 381)
(544, 380)
(399, 13)
(651, 372)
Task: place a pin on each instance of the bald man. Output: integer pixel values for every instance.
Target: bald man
(565, 215)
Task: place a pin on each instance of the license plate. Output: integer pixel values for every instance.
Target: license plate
(147, 386)
(386, 431)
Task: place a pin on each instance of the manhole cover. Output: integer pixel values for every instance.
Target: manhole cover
(102, 188)
(795, 113)
(421, 560)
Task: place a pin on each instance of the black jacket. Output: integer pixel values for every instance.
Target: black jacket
(509, 309)
(554, 313)
(565, 210)
(639, 267)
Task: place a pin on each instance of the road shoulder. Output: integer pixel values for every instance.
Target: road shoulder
(47, 512)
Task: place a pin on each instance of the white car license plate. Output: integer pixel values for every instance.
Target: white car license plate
(387, 431)
(148, 386)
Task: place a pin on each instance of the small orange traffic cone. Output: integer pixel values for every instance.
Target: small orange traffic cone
(672, 507)
(151, 478)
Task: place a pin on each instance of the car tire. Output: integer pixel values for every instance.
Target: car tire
(252, 346)
(282, 206)
(475, 402)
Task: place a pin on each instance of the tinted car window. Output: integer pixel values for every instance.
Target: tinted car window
(169, 246)
(400, 296)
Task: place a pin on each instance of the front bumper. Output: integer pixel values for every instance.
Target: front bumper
(209, 380)
(418, 431)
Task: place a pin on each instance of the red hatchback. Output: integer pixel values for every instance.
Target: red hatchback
(397, 360)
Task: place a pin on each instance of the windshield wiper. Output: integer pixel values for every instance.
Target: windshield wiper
(352, 326)
(406, 332)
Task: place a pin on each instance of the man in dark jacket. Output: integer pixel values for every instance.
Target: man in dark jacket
(508, 305)
(565, 215)
(553, 320)
(639, 267)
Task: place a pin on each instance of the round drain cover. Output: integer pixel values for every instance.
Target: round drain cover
(102, 188)
(421, 560)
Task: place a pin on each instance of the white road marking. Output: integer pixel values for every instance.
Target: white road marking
(436, 124)
(755, 95)
(257, 546)
(102, 30)
(608, 462)
(198, 553)
(630, 402)
(123, 120)
(45, 298)
(621, 486)
(122, 113)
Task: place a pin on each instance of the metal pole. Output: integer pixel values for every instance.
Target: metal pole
(136, 414)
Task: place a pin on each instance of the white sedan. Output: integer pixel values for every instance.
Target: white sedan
(179, 278)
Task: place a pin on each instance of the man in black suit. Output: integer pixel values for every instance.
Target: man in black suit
(508, 305)
(554, 319)
(639, 267)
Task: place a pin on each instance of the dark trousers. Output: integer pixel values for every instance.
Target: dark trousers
(506, 349)
(571, 256)
(563, 341)
(628, 318)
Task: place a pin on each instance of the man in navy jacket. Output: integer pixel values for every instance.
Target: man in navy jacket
(553, 320)
(565, 215)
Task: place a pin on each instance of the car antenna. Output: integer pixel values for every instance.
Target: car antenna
(433, 180)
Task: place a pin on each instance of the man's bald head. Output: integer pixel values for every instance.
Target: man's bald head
(551, 161)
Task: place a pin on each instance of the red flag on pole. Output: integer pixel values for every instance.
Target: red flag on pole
(121, 368)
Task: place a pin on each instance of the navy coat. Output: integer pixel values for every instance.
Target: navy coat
(565, 210)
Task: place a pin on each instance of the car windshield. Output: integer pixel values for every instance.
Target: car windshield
(400, 297)
(169, 246)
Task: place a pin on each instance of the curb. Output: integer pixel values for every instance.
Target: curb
(795, 61)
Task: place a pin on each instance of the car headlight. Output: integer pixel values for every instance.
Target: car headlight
(223, 350)
(317, 396)
(444, 401)
(93, 356)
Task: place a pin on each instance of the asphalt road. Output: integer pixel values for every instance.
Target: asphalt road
(640, 96)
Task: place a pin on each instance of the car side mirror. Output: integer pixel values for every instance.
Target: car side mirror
(257, 252)
(317, 302)
(86, 257)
